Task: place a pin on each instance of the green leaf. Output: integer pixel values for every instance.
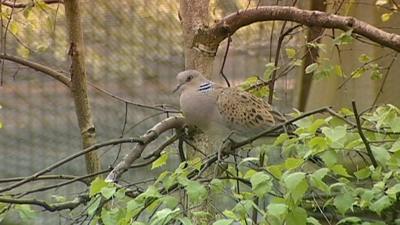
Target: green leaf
(346, 112)
(293, 163)
(217, 186)
(363, 58)
(318, 144)
(275, 170)
(269, 68)
(151, 192)
(26, 213)
(350, 220)
(185, 221)
(196, 191)
(290, 52)
(334, 134)
(243, 208)
(343, 202)
(169, 201)
(344, 38)
(108, 192)
(278, 210)
(93, 205)
(395, 124)
(329, 157)
(281, 138)
(311, 68)
(381, 154)
(297, 216)
(363, 173)
(164, 216)
(393, 191)
(133, 207)
(313, 221)
(96, 186)
(395, 147)
(315, 125)
(223, 222)
(381, 204)
(316, 179)
(261, 183)
(195, 163)
(162, 160)
(296, 185)
(340, 170)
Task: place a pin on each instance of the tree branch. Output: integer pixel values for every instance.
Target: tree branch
(71, 157)
(149, 136)
(363, 138)
(39, 67)
(50, 207)
(228, 25)
(13, 4)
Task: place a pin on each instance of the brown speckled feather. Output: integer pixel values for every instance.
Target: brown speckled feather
(241, 109)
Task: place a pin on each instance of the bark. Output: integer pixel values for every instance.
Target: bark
(311, 56)
(210, 38)
(195, 17)
(79, 83)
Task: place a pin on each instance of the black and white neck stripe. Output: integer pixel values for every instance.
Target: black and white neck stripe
(206, 87)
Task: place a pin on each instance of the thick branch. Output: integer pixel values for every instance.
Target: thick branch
(149, 136)
(13, 4)
(231, 23)
(39, 67)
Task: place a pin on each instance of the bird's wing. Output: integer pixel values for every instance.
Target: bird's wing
(242, 110)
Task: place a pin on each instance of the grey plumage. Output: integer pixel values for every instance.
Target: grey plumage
(220, 110)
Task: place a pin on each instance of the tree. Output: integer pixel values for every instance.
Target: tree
(256, 190)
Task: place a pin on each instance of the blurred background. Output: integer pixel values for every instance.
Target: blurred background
(134, 49)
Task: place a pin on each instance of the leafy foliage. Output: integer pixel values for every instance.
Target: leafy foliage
(293, 189)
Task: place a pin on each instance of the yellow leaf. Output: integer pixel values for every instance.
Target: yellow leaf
(14, 28)
(386, 16)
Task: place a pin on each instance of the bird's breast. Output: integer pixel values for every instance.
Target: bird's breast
(199, 109)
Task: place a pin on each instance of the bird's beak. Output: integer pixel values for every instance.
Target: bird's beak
(177, 88)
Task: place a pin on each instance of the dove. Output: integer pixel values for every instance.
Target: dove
(223, 111)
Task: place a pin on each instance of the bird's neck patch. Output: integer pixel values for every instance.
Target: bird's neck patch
(206, 87)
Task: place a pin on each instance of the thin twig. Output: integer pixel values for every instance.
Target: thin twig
(277, 53)
(221, 71)
(65, 160)
(380, 91)
(363, 138)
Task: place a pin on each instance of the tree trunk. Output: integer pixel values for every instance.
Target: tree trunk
(311, 57)
(78, 82)
(195, 17)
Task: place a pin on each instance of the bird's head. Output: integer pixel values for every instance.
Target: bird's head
(189, 78)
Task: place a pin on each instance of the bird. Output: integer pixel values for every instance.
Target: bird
(223, 111)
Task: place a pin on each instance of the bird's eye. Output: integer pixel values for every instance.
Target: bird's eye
(189, 78)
